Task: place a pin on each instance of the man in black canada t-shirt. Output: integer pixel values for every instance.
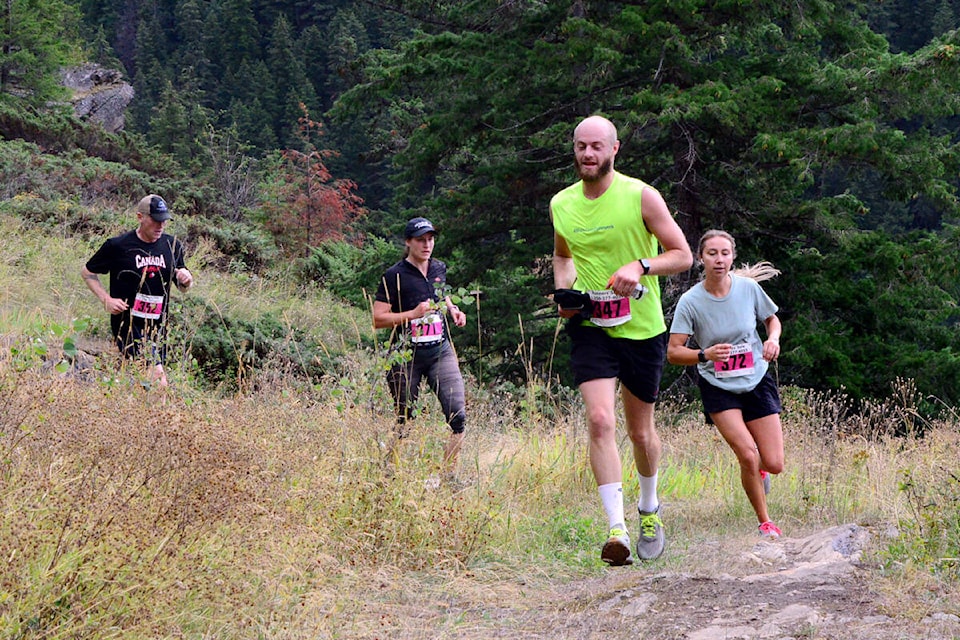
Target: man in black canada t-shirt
(142, 264)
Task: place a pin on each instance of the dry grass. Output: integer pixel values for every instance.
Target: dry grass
(139, 513)
(135, 512)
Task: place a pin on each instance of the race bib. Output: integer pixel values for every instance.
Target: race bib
(428, 329)
(740, 362)
(147, 307)
(609, 309)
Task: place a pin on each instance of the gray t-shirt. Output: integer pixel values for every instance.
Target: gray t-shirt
(731, 319)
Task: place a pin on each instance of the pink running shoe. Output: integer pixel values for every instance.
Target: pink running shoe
(769, 530)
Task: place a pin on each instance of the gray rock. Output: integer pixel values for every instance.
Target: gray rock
(99, 94)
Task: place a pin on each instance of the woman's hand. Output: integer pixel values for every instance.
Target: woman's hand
(718, 352)
(771, 349)
(459, 317)
(423, 309)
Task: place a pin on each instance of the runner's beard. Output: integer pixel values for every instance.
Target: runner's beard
(602, 170)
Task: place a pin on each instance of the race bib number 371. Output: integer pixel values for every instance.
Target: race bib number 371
(427, 330)
(740, 362)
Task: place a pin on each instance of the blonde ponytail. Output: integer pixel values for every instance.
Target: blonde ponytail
(758, 272)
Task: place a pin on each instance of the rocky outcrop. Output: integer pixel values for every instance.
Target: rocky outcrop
(99, 94)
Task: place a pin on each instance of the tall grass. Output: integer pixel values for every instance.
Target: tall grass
(129, 511)
(135, 512)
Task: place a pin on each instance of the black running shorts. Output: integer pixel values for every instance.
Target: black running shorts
(638, 364)
(762, 401)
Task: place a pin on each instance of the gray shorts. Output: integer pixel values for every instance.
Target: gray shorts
(442, 371)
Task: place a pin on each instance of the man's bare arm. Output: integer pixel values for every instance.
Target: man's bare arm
(92, 280)
(676, 255)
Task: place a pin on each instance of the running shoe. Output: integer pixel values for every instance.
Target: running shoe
(616, 551)
(769, 530)
(651, 542)
(766, 481)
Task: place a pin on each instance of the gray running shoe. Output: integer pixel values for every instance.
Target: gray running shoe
(766, 481)
(651, 541)
(616, 551)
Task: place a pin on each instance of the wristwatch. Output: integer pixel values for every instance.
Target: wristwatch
(701, 356)
(646, 265)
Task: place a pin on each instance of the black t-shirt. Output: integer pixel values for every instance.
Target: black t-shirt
(403, 287)
(140, 273)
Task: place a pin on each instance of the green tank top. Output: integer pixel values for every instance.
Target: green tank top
(605, 234)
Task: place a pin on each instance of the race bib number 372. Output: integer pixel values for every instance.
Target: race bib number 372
(740, 362)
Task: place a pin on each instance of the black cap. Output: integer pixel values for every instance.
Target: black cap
(417, 227)
(155, 207)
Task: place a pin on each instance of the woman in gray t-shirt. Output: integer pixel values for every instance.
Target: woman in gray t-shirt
(721, 314)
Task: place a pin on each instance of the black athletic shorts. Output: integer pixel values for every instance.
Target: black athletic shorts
(638, 364)
(762, 401)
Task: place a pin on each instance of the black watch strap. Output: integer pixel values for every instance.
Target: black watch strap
(701, 356)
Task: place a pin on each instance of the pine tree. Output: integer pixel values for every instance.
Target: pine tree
(150, 72)
(347, 40)
(179, 121)
(944, 19)
(37, 38)
(190, 52)
(292, 86)
(737, 112)
(304, 203)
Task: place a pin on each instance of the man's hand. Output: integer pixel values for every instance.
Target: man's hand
(625, 279)
(115, 305)
(184, 279)
(572, 303)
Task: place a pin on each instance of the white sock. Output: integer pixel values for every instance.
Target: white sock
(648, 494)
(612, 497)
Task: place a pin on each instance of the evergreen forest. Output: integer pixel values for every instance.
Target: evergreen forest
(823, 135)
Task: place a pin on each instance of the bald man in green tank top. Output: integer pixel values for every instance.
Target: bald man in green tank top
(613, 235)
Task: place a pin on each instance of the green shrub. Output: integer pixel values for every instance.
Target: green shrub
(233, 351)
(349, 270)
(931, 536)
(243, 246)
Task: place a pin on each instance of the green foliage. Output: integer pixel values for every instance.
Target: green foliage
(39, 37)
(26, 170)
(871, 310)
(350, 271)
(743, 114)
(790, 125)
(178, 124)
(57, 133)
(50, 343)
(244, 247)
(930, 537)
(232, 351)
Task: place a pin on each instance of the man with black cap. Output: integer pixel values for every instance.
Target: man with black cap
(143, 264)
(411, 299)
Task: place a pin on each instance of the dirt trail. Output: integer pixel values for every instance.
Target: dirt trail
(812, 588)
